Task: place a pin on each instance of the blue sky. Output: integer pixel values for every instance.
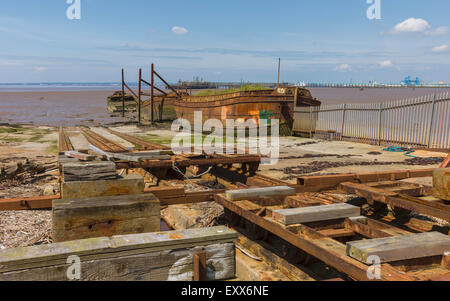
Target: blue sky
(320, 41)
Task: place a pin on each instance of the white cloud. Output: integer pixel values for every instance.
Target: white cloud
(411, 25)
(179, 30)
(343, 67)
(40, 69)
(386, 64)
(441, 48)
(418, 25)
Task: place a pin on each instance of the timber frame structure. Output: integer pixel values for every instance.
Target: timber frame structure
(154, 101)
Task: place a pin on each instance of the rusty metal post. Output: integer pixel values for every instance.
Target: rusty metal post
(430, 127)
(152, 96)
(139, 95)
(123, 93)
(344, 108)
(200, 266)
(380, 112)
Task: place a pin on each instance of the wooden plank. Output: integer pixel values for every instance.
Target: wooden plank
(89, 171)
(127, 185)
(398, 248)
(141, 156)
(105, 216)
(329, 182)
(446, 162)
(315, 214)
(200, 266)
(245, 194)
(336, 233)
(33, 203)
(136, 257)
(79, 156)
(441, 183)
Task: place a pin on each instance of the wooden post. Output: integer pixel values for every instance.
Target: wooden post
(200, 266)
(123, 93)
(139, 96)
(310, 122)
(279, 70)
(344, 107)
(152, 96)
(430, 127)
(380, 112)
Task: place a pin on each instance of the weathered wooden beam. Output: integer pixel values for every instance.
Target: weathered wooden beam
(32, 203)
(398, 248)
(79, 156)
(441, 183)
(245, 194)
(90, 171)
(166, 195)
(142, 156)
(371, 194)
(105, 216)
(127, 185)
(315, 213)
(137, 257)
(330, 182)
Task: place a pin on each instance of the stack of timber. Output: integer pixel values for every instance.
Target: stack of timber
(166, 256)
(97, 202)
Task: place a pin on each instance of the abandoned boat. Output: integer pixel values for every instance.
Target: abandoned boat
(244, 105)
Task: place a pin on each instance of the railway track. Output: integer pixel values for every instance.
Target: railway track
(64, 143)
(102, 143)
(139, 142)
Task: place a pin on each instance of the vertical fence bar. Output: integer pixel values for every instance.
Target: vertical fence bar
(430, 127)
(139, 96)
(152, 95)
(344, 107)
(123, 93)
(380, 112)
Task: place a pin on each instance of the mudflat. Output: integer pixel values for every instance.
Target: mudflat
(56, 108)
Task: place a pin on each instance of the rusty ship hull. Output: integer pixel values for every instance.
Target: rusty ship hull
(244, 105)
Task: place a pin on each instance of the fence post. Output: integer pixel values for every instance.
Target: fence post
(123, 93)
(380, 112)
(344, 108)
(310, 122)
(139, 96)
(430, 127)
(152, 94)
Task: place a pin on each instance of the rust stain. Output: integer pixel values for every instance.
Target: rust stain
(176, 236)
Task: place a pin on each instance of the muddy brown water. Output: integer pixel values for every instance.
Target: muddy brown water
(59, 108)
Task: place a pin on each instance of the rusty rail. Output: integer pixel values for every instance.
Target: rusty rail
(102, 143)
(64, 143)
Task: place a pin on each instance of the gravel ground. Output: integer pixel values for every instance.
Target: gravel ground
(25, 228)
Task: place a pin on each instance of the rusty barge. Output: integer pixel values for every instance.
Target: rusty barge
(247, 105)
